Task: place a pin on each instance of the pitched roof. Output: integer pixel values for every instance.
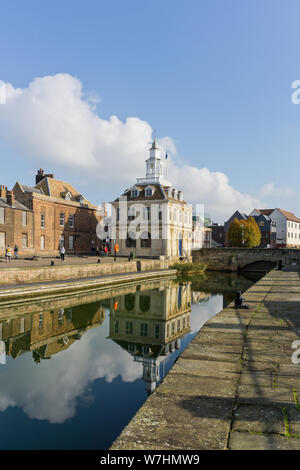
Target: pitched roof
(156, 194)
(289, 215)
(58, 189)
(159, 193)
(265, 211)
(16, 205)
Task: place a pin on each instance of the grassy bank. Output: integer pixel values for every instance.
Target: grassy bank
(189, 268)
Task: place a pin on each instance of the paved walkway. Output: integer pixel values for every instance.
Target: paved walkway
(69, 260)
(235, 386)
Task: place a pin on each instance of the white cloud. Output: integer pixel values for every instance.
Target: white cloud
(30, 387)
(269, 189)
(54, 122)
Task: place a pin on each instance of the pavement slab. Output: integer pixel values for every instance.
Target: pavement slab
(237, 385)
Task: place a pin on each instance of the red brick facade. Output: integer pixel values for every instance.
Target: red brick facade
(55, 213)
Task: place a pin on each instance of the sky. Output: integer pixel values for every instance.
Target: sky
(88, 83)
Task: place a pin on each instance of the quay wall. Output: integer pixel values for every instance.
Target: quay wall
(66, 272)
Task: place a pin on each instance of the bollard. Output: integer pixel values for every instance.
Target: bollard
(99, 260)
(52, 263)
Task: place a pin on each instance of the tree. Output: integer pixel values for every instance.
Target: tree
(244, 233)
(235, 233)
(252, 233)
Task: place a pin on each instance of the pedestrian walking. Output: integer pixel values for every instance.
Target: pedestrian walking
(116, 248)
(62, 253)
(105, 250)
(16, 251)
(8, 254)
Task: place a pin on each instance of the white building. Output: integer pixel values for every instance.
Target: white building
(287, 226)
(151, 217)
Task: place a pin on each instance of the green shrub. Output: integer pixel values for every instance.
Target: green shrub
(186, 268)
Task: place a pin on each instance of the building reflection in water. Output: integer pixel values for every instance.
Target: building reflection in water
(147, 321)
(49, 332)
(150, 325)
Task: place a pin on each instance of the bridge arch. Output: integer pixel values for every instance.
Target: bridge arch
(259, 266)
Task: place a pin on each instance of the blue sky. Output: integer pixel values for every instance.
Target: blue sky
(215, 76)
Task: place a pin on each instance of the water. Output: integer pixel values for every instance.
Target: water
(77, 369)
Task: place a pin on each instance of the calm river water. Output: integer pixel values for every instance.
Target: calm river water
(73, 372)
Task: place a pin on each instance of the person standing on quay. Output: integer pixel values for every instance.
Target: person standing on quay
(62, 253)
(8, 254)
(16, 251)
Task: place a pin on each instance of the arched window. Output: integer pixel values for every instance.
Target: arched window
(146, 240)
(129, 301)
(130, 241)
(144, 303)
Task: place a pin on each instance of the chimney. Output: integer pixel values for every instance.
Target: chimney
(10, 198)
(3, 190)
(39, 176)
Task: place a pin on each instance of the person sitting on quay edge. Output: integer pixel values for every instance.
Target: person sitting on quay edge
(8, 254)
(62, 253)
(238, 301)
(16, 251)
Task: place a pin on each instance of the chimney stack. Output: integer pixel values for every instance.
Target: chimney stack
(3, 190)
(10, 198)
(40, 176)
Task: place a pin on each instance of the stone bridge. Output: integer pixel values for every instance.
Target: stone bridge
(248, 259)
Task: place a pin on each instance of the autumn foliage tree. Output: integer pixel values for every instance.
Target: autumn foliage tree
(244, 233)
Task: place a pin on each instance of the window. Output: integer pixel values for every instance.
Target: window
(156, 331)
(148, 192)
(134, 193)
(132, 348)
(62, 219)
(2, 215)
(129, 301)
(42, 220)
(2, 239)
(130, 241)
(146, 240)
(71, 221)
(146, 350)
(71, 242)
(24, 218)
(144, 329)
(117, 326)
(145, 303)
(146, 213)
(131, 213)
(24, 240)
(129, 328)
(41, 320)
(42, 242)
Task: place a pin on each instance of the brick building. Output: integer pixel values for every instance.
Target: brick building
(16, 223)
(43, 217)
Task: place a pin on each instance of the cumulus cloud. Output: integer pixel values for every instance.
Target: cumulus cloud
(269, 189)
(32, 388)
(55, 122)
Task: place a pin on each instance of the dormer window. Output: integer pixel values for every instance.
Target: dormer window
(148, 192)
(67, 195)
(134, 192)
